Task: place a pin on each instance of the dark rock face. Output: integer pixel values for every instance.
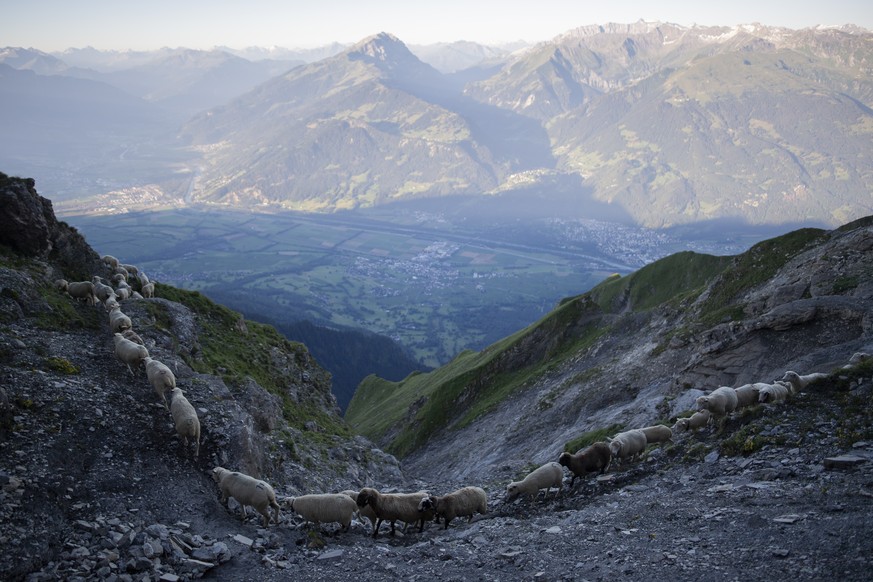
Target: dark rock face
(29, 226)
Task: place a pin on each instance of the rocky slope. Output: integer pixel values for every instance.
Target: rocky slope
(94, 485)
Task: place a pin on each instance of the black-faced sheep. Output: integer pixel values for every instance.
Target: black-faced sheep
(657, 434)
(545, 477)
(247, 491)
(695, 421)
(799, 382)
(363, 512)
(325, 508)
(185, 419)
(719, 402)
(595, 457)
(160, 377)
(466, 501)
(627, 444)
(132, 354)
(392, 507)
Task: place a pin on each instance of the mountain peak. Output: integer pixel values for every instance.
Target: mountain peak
(381, 48)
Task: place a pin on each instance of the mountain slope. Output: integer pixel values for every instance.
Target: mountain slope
(353, 130)
(631, 351)
(672, 125)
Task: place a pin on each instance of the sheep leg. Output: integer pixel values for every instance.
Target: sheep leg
(393, 522)
(376, 526)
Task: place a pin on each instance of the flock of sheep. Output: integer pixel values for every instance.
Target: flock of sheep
(129, 346)
(420, 507)
(409, 508)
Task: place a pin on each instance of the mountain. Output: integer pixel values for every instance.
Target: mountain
(32, 60)
(632, 351)
(361, 128)
(84, 440)
(95, 485)
(673, 125)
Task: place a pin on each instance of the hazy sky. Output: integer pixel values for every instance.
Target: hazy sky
(52, 25)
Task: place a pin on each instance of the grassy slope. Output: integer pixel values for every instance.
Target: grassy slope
(403, 415)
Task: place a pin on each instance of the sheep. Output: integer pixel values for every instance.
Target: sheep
(61, 284)
(123, 293)
(143, 279)
(102, 291)
(131, 269)
(129, 352)
(111, 261)
(247, 491)
(392, 507)
(657, 434)
(325, 507)
(185, 419)
(719, 402)
(365, 511)
(799, 382)
(627, 444)
(160, 377)
(697, 420)
(545, 477)
(117, 279)
(132, 336)
(82, 290)
(118, 321)
(148, 290)
(466, 501)
(111, 303)
(777, 392)
(596, 457)
(747, 395)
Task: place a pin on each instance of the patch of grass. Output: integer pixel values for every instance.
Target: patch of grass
(591, 437)
(695, 453)
(61, 366)
(753, 268)
(844, 284)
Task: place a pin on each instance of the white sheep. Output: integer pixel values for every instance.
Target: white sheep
(131, 353)
(118, 321)
(143, 278)
(657, 434)
(325, 508)
(747, 395)
(595, 457)
(545, 477)
(148, 290)
(131, 335)
(160, 377)
(697, 420)
(111, 303)
(774, 393)
(102, 290)
(82, 290)
(247, 491)
(61, 284)
(111, 261)
(466, 501)
(799, 382)
(123, 293)
(719, 402)
(185, 419)
(392, 507)
(627, 444)
(131, 269)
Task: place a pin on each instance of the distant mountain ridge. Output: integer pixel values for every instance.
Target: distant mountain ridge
(673, 124)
